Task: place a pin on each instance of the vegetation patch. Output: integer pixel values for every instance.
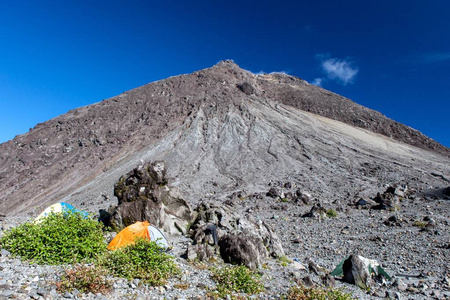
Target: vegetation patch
(144, 260)
(57, 239)
(85, 279)
(181, 286)
(420, 224)
(236, 279)
(316, 293)
(331, 213)
(284, 260)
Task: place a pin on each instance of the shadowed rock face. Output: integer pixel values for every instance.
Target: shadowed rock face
(143, 195)
(220, 129)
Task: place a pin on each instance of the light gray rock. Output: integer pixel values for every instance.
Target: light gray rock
(7, 293)
(401, 285)
(393, 295)
(357, 272)
(33, 295)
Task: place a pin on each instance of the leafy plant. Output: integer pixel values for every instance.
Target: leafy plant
(236, 279)
(58, 239)
(331, 213)
(181, 286)
(143, 259)
(420, 224)
(284, 260)
(316, 293)
(85, 279)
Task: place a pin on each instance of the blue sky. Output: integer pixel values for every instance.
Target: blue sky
(391, 56)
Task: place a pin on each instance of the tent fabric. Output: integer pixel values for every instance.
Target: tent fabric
(157, 236)
(129, 234)
(60, 207)
(372, 265)
(139, 229)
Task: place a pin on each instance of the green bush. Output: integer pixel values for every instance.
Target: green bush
(85, 279)
(284, 260)
(420, 224)
(316, 293)
(236, 279)
(58, 239)
(331, 213)
(144, 260)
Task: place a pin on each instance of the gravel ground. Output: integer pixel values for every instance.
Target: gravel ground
(417, 258)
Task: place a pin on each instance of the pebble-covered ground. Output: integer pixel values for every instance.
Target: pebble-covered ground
(416, 255)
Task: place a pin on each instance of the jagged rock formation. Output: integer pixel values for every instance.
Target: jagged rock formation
(220, 125)
(236, 238)
(143, 195)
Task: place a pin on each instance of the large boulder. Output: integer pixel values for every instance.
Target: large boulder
(388, 200)
(141, 182)
(356, 271)
(242, 249)
(143, 195)
(446, 191)
(221, 230)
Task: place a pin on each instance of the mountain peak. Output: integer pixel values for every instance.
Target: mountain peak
(228, 63)
(215, 108)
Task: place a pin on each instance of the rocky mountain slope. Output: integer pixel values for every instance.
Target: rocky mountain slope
(225, 120)
(256, 141)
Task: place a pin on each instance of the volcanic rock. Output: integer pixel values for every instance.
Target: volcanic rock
(143, 195)
(274, 193)
(356, 272)
(243, 249)
(303, 198)
(387, 200)
(238, 239)
(446, 191)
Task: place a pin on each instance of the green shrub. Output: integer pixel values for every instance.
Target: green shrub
(331, 213)
(144, 260)
(58, 239)
(85, 279)
(316, 293)
(236, 279)
(420, 224)
(284, 260)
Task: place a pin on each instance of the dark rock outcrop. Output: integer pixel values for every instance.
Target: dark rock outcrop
(356, 271)
(387, 200)
(246, 88)
(446, 191)
(243, 249)
(144, 195)
(237, 239)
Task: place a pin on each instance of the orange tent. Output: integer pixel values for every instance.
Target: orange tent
(129, 234)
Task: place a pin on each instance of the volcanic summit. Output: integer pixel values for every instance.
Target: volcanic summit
(271, 146)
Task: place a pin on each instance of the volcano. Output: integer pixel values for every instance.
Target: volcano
(220, 129)
(255, 142)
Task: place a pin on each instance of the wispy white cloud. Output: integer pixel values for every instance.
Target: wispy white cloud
(317, 81)
(339, 69)
(280, 72)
